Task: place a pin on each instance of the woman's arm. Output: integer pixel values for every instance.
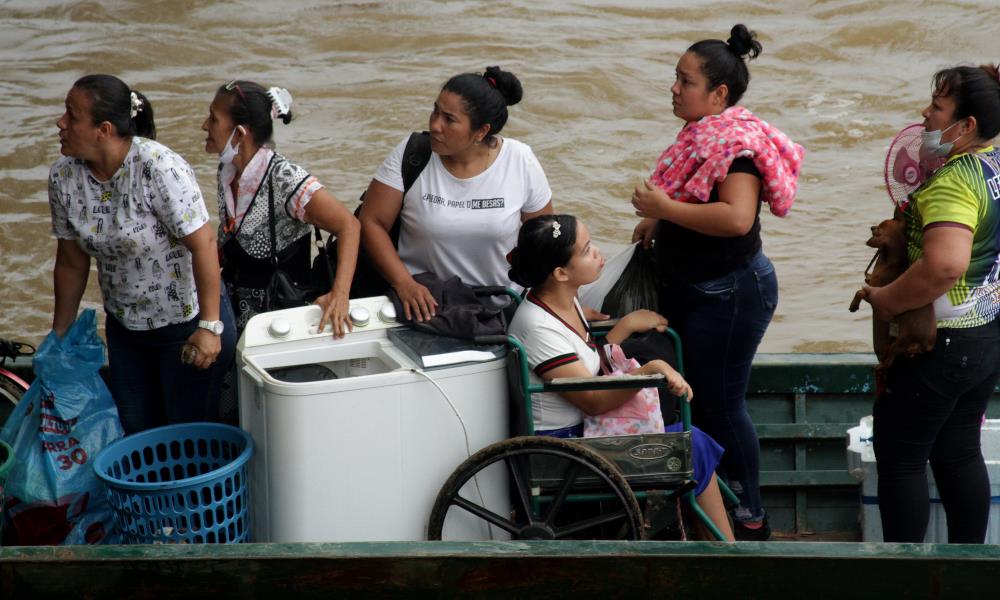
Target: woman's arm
(545, 210)
(379, 211)
(328, 213)
(637, 321)
(597, 402)
(947, 251)
(69, 282)
(203, 246)
(732, 216)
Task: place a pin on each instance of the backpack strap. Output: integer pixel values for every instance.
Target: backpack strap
(416, 155)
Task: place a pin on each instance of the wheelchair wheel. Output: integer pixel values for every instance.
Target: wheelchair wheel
(551, 515)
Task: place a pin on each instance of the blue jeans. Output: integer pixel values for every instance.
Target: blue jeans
(932, 410)
(150, 384)
(721, 322)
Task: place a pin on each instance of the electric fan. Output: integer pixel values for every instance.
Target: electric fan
(905, 166)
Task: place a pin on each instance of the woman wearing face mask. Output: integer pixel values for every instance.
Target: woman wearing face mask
(135, 206)
(461, 215)
(702, 207)
(554, 257)
(933, 403)
(240, 126)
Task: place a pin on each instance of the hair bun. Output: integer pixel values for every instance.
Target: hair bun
(515, 273)
(506, 83)
(743, 42)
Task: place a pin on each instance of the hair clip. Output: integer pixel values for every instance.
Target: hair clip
(555, 229)
(136, 105)
(281, 102)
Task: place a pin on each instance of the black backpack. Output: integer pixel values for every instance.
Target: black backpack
(368, 281)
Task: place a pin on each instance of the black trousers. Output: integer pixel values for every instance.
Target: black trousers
(932, 410)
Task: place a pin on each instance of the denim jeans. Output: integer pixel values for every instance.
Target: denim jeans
(932, 410)
(150, 384)
(721, 323)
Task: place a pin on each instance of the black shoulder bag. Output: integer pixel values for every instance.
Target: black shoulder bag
(282, 291)
(368, 281)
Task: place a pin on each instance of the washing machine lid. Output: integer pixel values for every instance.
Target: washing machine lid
(432, 351)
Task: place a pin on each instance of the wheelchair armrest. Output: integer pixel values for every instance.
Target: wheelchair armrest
(490, 340)
(604, 382)
(601, 328)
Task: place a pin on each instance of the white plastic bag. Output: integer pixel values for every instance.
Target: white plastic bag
(593, 294)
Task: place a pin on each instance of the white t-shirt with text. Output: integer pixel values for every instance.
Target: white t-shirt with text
(466, 227)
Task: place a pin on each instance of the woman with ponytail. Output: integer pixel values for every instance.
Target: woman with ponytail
(461, 214)
(702, 208)
(134, 205)
(553, 258)
(932, 405)
(269, 205)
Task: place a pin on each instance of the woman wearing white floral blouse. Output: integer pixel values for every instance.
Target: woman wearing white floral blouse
(135, 206)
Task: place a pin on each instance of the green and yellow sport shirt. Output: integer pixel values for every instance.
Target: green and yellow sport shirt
(966, 190)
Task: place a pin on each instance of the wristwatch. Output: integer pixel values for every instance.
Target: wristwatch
(215, 327)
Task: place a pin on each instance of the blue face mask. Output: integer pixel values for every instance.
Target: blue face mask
(932, 146)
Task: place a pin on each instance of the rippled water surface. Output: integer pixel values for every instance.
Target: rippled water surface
(839, 76)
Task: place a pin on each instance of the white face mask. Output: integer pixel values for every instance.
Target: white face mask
(229, 151)
(932, 146)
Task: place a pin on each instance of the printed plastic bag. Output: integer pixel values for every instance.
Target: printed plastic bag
(66, 417)
(641, 414)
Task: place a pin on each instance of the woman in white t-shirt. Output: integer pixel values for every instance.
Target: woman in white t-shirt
(135, 206)
(462, 213)
(553, 258)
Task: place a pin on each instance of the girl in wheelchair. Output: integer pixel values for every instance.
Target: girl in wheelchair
(553, 258)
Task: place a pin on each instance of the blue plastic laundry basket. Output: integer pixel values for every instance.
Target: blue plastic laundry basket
(180, 484)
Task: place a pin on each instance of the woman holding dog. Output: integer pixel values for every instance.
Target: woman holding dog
(702, 208)
(933, 403)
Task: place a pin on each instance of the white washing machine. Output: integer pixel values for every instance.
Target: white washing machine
(355, 437)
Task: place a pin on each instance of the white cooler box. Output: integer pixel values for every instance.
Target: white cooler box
(861, 464)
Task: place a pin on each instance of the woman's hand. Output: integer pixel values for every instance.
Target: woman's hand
(649, 200)
(637, 321)
(206, 347)
(418, 303)
(645, 231)
(336, 307)
(880, 301)
(676, 383)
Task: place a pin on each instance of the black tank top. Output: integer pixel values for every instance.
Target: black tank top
(686, 256)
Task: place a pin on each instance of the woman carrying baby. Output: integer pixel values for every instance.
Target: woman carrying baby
(933, 403)
(702, 207)
(553, 258)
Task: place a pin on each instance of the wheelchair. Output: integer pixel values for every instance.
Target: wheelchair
(551, 479)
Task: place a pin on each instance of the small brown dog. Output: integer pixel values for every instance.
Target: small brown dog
(917, 327)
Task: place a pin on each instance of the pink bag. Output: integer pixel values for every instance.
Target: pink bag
(641, 414)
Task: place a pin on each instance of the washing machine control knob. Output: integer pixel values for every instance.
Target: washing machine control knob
(387, 313)
(360, 316)
(279, 328)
